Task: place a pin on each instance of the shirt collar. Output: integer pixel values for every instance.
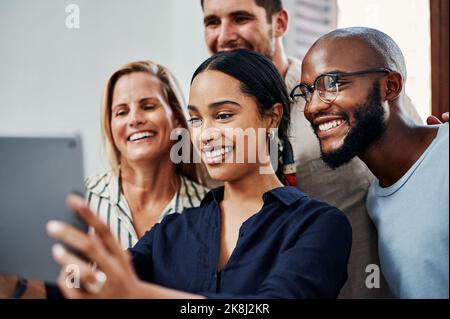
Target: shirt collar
(108, 186)
(215, 194)
(105, 186)
(286, 195)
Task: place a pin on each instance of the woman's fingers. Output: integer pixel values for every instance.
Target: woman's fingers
(99, 247)
(433, 120)
(70, 293)
(101, 230)
(88, 245)
(73, 267)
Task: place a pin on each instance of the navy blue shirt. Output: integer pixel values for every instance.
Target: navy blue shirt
(294, 247)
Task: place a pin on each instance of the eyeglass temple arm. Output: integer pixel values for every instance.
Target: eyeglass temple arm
(378, 70)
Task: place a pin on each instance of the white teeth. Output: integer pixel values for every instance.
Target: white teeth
(140, 135)
(216, 153)
(329, 125)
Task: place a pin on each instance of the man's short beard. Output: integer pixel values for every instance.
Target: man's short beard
(270, 50)
(369, 128)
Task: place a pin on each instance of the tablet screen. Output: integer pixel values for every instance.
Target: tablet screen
(36, 175)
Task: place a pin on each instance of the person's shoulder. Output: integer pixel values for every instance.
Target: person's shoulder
(101, 185)
(91, 181)
(307, 217)
(440, 152)
(439, 148)
(98, 180)
(313, 210)
(443, 131)
(295, 60)
(288, 195)
(293, 73)
(301, 199)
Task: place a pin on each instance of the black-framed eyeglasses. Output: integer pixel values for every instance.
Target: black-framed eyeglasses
(327, 85)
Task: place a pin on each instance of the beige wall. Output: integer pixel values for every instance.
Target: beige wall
(52, 77)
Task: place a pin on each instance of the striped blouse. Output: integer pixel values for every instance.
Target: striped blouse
(104, 197)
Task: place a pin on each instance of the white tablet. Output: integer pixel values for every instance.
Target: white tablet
(36, 175)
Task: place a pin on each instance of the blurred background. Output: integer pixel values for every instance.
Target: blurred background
(52, 76)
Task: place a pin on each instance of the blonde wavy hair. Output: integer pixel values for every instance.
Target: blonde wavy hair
(175, 99)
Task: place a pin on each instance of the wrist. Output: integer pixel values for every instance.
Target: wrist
(139, 290)
(7, 285)
(19, 288)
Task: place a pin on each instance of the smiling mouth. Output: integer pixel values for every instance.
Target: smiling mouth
(141, 136)
(234, 46)
(216, 155)
(328, 126)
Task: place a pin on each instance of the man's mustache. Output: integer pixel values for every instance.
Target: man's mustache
(345, 116)
(235, 45)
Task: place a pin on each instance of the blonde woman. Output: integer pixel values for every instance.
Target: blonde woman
(142, 105)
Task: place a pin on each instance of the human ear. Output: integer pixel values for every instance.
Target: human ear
(275, 115)
(393, 86)
(280, 21)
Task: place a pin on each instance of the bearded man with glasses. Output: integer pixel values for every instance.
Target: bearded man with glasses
(356, 106)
